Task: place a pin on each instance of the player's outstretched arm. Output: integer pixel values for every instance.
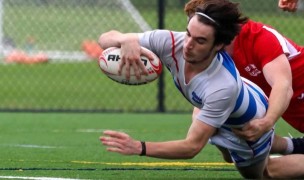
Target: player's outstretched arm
(196, 139)
(288, 5)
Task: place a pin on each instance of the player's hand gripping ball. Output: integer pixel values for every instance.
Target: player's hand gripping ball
(109, 62)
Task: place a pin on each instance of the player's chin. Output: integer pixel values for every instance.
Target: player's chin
(186, 57)
(190, 61)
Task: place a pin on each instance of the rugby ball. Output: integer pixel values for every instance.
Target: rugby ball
(109, 62)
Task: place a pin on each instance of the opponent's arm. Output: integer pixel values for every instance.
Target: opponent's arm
(278, 76)
(197, 137)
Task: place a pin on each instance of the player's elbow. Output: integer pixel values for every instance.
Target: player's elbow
(193, 151)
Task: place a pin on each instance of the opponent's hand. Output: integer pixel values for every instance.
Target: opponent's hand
(253, 130)
(288, 5)
(130, 58)
(120, 142)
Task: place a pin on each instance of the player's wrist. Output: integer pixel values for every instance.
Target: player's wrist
(143, 148)
(269, 122)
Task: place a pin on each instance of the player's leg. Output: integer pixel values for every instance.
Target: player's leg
(294, 116)
(280, 145)
(225, 154)
(288, 166)
(298, 145)
(254, 171)
(250, 158)
(287, 145)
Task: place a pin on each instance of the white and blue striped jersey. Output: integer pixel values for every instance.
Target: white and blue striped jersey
(224, 98)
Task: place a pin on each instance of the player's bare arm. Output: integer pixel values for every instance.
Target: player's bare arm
(197, 137)
(288, 5)
(130, 50)
(278, 75)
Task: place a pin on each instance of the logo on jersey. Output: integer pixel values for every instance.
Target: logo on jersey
(252, 70)
(196, 98)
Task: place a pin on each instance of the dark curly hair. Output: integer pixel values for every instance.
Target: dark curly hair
(228, 18)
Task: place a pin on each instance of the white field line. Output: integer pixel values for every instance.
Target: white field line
(98, 130)
(30, 146)
(90, 130)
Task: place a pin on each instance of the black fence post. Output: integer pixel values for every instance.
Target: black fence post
(161, 83)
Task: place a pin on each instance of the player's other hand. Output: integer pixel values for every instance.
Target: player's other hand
(131, 53)
(120, 142)
(253, 130)
(288, 5)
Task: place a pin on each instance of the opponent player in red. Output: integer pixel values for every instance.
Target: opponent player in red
(276, 64)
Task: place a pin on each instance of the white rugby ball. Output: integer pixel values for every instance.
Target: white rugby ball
(109, 62)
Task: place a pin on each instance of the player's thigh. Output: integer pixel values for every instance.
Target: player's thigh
(225, 153)
(255, 171)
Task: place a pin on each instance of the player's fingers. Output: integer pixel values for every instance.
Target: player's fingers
(113, 149)
(237, 132)
(115, 134)
(143, 68)
(136, 70)
(147, 54)
(112, 143)
(127, 69)
(150, 57)
(121, 65)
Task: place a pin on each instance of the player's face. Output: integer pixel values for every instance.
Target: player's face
(199, 42)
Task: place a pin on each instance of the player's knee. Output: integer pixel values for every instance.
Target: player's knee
(270, 169)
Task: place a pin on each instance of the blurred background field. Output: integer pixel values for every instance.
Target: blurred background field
(67, 146)
(69, 79)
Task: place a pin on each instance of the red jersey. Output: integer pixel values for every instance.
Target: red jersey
(258, 44)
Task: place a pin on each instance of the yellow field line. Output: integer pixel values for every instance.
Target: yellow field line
(162, 164)
(146, 164)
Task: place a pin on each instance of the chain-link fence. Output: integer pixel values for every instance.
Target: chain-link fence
(49, 52)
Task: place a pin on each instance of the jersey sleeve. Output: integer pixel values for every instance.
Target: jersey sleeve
(158, 41)
(268, 44)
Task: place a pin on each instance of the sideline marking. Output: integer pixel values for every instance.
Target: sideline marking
(36, 178)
